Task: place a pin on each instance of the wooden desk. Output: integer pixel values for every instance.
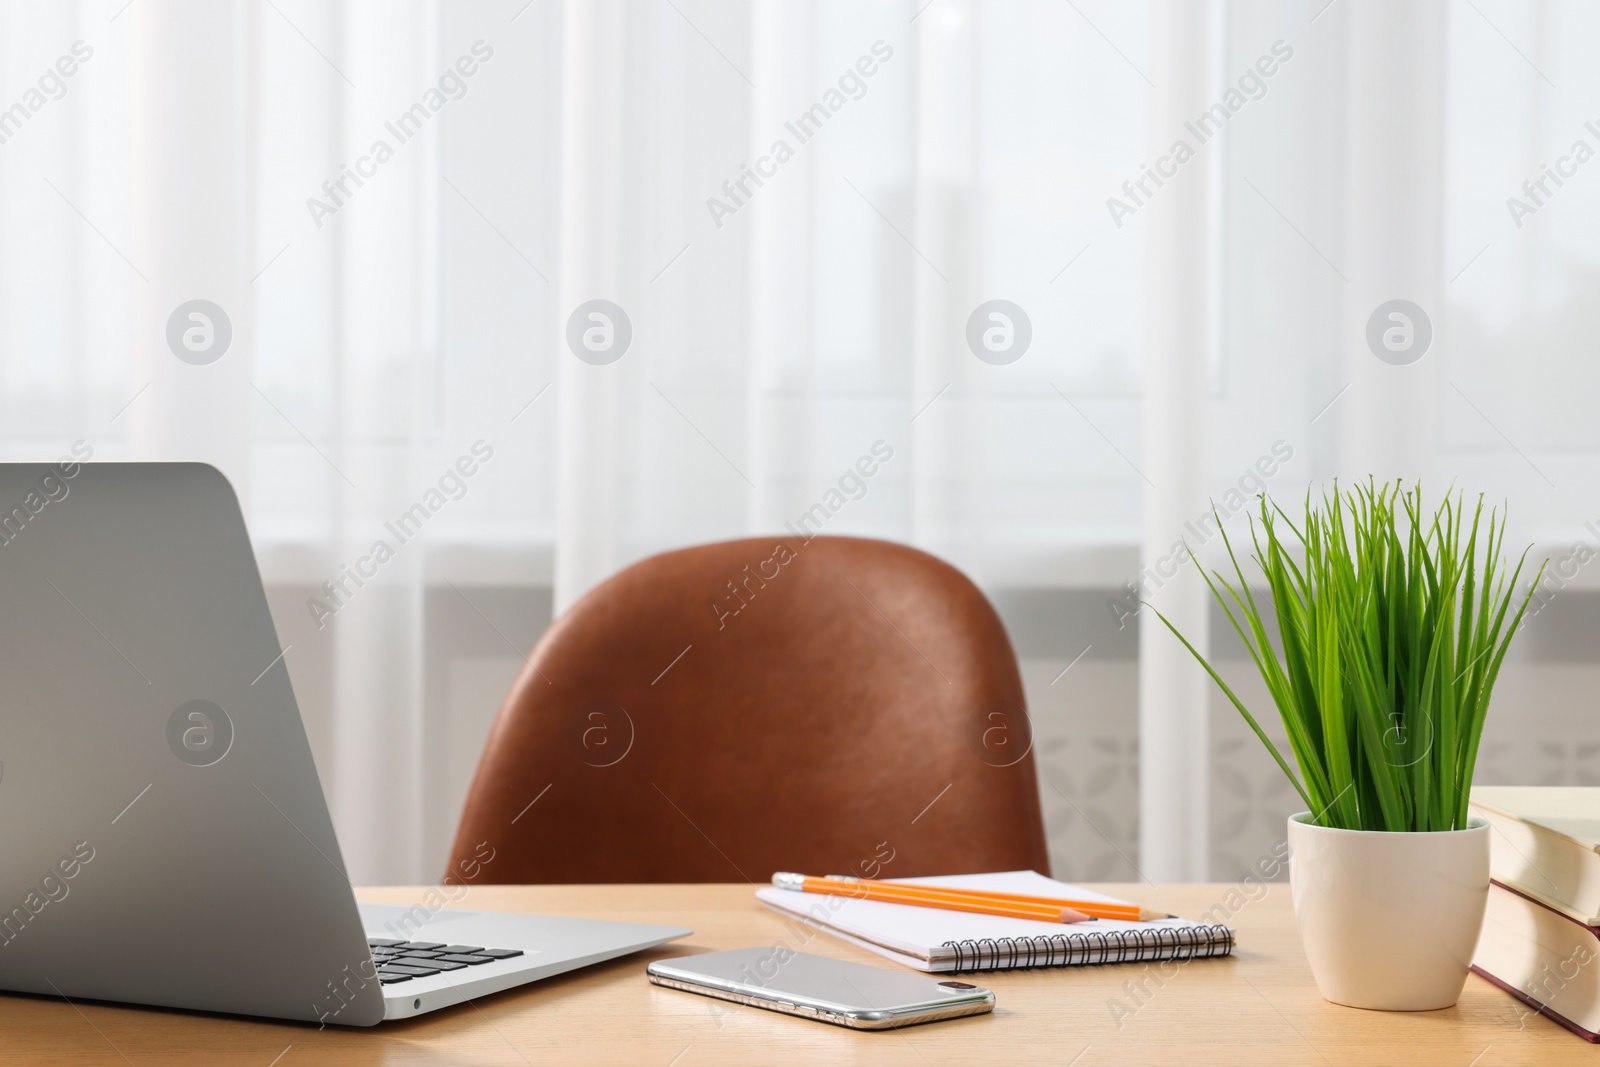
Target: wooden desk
(1259, 1007)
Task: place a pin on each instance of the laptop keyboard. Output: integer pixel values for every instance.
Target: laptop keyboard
(401, 961)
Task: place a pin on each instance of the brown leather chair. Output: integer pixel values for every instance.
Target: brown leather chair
(830, 706)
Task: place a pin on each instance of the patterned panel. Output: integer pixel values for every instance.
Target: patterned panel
(1086, 749)
(1542, 730)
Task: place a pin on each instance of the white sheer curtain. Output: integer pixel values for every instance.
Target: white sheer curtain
(393, 308)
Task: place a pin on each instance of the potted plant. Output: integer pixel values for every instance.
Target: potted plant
(1391, 627)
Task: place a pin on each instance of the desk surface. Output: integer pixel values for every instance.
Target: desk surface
(1259, 1007)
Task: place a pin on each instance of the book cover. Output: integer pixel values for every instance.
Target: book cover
(1543, 957)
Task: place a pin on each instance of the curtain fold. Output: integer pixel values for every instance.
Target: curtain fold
(1180, 317)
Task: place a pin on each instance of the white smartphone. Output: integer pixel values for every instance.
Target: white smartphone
(815, 987)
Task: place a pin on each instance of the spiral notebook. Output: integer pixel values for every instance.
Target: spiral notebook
(933, 939)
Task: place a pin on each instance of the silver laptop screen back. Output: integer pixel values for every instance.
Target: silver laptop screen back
(164, 835)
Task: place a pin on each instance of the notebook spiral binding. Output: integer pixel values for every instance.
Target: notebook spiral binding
(1181, 944)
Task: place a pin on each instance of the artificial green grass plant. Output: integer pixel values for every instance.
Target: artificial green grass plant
(1392, 630)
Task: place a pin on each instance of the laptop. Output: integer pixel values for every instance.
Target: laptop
(164, 839)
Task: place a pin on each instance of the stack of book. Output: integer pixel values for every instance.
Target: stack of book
(1541, 932)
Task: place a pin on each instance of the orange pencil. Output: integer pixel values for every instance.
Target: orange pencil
(891, 893)
(1016, 905)
(1100, 909)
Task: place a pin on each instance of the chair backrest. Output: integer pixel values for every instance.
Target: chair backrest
(829, 706)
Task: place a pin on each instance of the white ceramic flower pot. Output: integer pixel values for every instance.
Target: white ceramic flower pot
(1389, 920)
